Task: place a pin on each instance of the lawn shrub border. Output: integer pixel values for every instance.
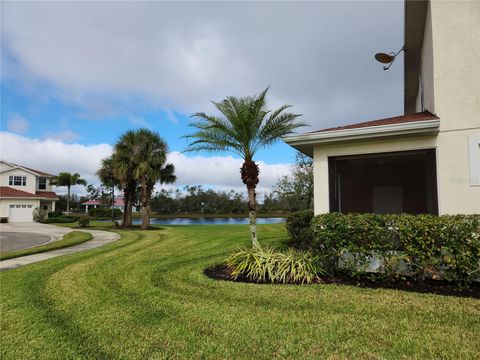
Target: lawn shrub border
(426, 245)
(298, 228)
(64, 219)
(104, 212)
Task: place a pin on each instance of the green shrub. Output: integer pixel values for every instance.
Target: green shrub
(299, 230)
(60, 220)
(104, 212)
(269, 265)
(54, 214)
(420, 245)
(83, 222)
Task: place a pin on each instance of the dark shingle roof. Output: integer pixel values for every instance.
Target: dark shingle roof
(421, 116)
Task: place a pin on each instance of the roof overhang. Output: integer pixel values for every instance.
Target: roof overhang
(305, 142)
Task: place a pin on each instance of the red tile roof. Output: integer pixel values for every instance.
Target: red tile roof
(421, 116)
(118, 202)
(6, 191)
(41, 173)
(47, 194)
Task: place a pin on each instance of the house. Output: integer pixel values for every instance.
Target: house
(119, 204)
(22, 190)
(426, 160)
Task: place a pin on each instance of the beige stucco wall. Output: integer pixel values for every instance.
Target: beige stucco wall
(5, 204)
(455, 195)
(31, 181)
(455, 46)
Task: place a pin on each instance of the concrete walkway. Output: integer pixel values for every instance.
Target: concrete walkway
(99, 238)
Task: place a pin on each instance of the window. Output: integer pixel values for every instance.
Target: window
(17, 180)
(474, 152)
(42, 183)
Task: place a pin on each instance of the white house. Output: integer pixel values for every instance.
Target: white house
(22, 190)
(426, 160)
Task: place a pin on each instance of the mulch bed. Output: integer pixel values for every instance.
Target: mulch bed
(438, 287)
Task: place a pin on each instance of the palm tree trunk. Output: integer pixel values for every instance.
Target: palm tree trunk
(131, 202)
(252, 214)
(145, 216)
(126, 197)
(249, 173)
(68, 200)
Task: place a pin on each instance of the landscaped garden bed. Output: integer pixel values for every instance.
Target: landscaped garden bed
(373, 281)
(428, 254)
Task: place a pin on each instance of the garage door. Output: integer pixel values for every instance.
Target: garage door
(20, 213)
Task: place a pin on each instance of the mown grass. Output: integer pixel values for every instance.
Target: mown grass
(70, 239)
(145, 296)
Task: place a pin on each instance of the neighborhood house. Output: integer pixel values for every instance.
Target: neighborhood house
(22, 190)
(428, 159)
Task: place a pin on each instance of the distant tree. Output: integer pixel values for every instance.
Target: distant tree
(295, 192)
(244, 127)
(68, 180)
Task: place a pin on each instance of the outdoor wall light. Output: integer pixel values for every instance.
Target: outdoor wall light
(387, 58)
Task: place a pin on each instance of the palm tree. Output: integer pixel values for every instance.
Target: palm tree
(246, 125)
(68, 180)
(139, 158)
(123, 167)
(107, 176)
(149, 157)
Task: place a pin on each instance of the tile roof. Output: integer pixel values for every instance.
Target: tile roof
(6, 191)
(421, 116)
(118, 202)
(47, 194)
(41, 173)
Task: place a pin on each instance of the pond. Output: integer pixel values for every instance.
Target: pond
(209, 221)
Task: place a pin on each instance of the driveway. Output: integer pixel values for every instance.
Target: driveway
(30, 231)
(18, 236)
(12, 241)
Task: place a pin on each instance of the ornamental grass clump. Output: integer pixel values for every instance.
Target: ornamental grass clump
(260, 265)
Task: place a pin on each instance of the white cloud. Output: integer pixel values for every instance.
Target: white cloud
(139, 121)
(54, 156)
(222, 172)
(110, 57)
(17, 124)
(66, 136)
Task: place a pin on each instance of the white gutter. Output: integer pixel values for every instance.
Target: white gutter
(28, 198)
(322, 137)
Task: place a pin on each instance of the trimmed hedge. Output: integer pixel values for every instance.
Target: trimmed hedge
(104, 212)
(83, 222)
(418, 245)
(298, 227)
(61, 219)
(55, 214)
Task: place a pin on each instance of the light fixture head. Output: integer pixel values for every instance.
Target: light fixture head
(384, 58)
(389, 58)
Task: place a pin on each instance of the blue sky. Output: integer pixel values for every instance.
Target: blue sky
(52, 118)
(76, 75)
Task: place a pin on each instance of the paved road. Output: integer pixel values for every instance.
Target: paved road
(53, 232)
(11, 241)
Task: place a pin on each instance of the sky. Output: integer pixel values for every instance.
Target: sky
(76, 75)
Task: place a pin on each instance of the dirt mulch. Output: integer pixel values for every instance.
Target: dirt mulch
(438, 287)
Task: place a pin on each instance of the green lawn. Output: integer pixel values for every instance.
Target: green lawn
(145, 296)
(70, 239)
